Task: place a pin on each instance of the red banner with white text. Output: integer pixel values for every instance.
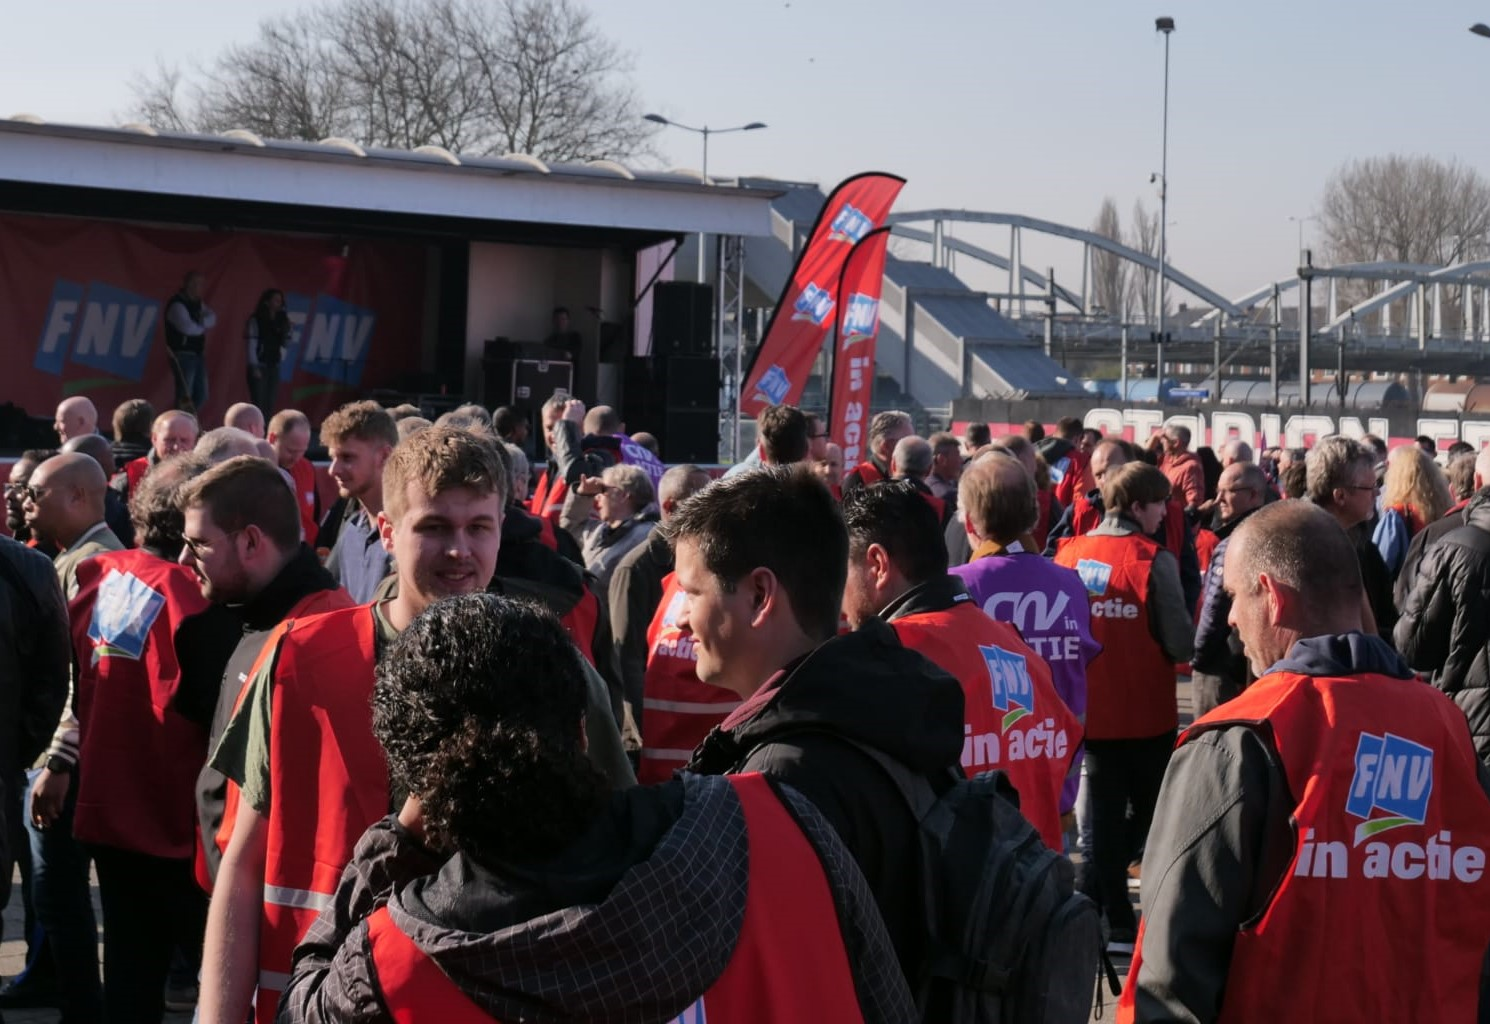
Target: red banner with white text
(853, 356)
(804, 313)
(85, 305)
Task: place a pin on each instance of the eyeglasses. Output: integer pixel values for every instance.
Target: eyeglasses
(31, 494)
(196, 547)
(1373, 488)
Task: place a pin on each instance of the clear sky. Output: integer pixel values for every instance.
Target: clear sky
(1042, 107)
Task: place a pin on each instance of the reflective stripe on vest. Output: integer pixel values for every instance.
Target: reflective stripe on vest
(1130, 685)
(1384, 911)
(789, 964)
(1013, 718)
(677, 709)
(328, 777)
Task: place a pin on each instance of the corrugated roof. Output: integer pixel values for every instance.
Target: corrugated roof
(1027, 369)
(915, 274)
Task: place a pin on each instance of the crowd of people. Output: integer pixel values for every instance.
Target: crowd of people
(579, 735)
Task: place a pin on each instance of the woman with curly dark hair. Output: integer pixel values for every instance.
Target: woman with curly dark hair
(513, 886)
(266, 335)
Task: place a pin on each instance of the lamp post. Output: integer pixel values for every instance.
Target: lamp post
(705, 131)
(1301, 221)
(1166, 26)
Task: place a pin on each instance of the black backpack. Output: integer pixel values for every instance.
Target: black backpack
(1008, 937)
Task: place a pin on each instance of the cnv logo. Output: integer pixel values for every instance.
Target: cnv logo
(773, 385)
(1392, 782)
(814, 304)
(1095, 575)
(861, 319)
(97, 326)
(124, 612)
(1009, 674)
(849, 225)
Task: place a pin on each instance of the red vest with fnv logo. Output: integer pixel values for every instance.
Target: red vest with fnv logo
(789, 964)
(678, 710)
(138, 758)
(1013, 719)
(1130, 685)
(1384, 912)
(328, 777)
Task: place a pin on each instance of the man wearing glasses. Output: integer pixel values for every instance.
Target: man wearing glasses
(1342, 481)
(1219, 670)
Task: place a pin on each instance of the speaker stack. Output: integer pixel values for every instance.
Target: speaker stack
(674, 393)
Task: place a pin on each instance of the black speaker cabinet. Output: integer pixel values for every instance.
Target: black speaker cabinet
(690, 382)
(682, 319)
(690, 435)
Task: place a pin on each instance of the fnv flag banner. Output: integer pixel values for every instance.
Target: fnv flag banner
(853, 354)
(805, 312)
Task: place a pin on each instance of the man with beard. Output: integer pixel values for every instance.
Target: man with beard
(1218, 668)
(243, 543)
(359, 437)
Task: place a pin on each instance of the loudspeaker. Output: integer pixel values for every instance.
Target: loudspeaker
(682, 319)
(690, 435)
(690, 382)
(642, 400)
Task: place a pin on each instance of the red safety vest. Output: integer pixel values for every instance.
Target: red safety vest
(328, 777)
(138, 758)
(303, 472)
(1384, 913)
(134, 472)
(1013, 719)
(1130, 685)
(1205, 549)
(1077, 478)
(580, 622)
(548, 498)
(313, 603)
(678, 710)
(869, 473)
(789, 964)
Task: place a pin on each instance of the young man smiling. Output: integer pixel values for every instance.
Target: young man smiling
(300, 746)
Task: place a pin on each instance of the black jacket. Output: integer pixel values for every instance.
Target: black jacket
(1218, 650)
(1421, 542)
(634, 921)
(635, 593)
(1376, 578)
(868, 687)
(35, 658)
(1445, 625)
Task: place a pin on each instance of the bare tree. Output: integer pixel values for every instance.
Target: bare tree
(1109, 270)
(475, 76)
(1412, 209)
(1143, 235)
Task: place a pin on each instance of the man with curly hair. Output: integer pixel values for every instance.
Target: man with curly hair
(699, 897)
(300, 747)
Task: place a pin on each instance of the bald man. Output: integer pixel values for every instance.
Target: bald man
(245, 416)
(115, 508)
(226, 443)
(76, 416)
(1219, 672)
(64, 503)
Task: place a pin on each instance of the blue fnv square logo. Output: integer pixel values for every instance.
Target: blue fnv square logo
(101, 327)
(336, 339)
(861, 319)
(1391, 786)
(693, 1015)
(773, 385)
(1009, 674)
(123, 614)
(1095, 575)
(813, 304)
(850, 225)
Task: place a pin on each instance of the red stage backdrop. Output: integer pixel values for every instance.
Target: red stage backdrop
(85, 301)
(853, 356)
(804, 313)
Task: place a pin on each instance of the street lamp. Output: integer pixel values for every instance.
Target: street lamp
(1166, 26)
(705, 131)
(1301, 221)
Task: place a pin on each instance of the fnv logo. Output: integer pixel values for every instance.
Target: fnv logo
(773, 385)
(814, 304)
(97, 326)
(1094, 575)
(1009, 676)
(1391, 786)
(674, 609)
(123, 613)
(850, 225)
(861, 319)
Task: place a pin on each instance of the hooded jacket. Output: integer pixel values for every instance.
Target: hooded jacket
(645, 910)
(866, 687)
(1445, 625)
(1222, 840)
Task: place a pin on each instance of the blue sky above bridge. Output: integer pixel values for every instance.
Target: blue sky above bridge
(1040, 108)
